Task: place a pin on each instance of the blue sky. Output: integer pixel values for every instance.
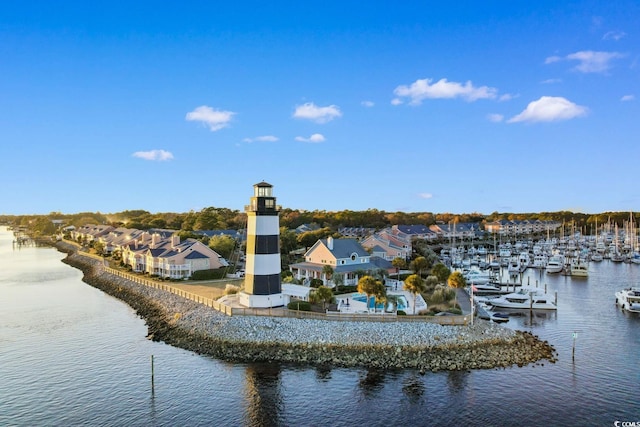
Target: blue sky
(399, 106)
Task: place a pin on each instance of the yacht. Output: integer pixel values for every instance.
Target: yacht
(629, 299)
(596, 257)
(555, 264)
(477, 277)
(540, 260)
(514, 266)
(525, 298)
(579, 268)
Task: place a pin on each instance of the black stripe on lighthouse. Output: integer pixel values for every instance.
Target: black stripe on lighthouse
(262, 245)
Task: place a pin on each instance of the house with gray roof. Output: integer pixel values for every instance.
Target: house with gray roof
(347, 257)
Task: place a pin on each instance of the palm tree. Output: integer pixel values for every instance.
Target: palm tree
(441, 271)
(324, 294)
(327, 270)
(419, 264)
(415, 285)
(457, 281)
(370, 286)
(399, 263)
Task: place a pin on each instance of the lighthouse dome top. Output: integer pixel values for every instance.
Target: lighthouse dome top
(263, 189)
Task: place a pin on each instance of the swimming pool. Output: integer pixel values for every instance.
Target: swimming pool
(402, 302)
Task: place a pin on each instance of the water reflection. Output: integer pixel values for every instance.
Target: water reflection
(372, 381)
(413, 387)
(457, 380)
(264, 402)
(323, 373)
(531, 317)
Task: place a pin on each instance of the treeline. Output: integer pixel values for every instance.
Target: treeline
(212, 218)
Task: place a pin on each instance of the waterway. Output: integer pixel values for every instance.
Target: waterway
(71, 355)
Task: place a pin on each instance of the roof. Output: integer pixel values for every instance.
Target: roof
(343, 248)
(195, 255)
(298, 291)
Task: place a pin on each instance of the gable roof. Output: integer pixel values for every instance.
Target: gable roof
(343, 248)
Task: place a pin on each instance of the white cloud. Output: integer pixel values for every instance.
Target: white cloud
(264, 138)
(551, 81)
(425, 195)
(157, 155)
(310, 111)
(316, 138)
(496, 118)
(589, 61)
(506, 97)
(213, 119)
(367, 103)
(396, 101)
(422, 89)
(628, 98)
(614, 35)
(550, 109)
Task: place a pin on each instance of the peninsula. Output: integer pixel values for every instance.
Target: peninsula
(417, 345)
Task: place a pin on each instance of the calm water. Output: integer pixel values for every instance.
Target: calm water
(71, 355)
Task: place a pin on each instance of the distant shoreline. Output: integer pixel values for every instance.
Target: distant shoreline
(396, 345)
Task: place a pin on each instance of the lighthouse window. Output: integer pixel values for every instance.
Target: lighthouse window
(269, 203)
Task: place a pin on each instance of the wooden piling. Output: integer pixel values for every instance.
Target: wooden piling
(152, 379)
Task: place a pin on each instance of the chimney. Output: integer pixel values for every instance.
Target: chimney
(330, 243)
(175, 240)
(154, 240)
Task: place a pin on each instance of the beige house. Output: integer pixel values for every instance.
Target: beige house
(171, 258)
(346, 257)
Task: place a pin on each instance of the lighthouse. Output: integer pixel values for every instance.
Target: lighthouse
(262, 286)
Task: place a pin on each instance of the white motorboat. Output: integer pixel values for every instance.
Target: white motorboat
(555, 264)
(477, 277)
(596, 257)
(540, 260)
(579, 268)
(526, 298)
(514, 266)
(629, 299)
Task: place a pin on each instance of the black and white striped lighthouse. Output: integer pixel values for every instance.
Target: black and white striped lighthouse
(262, 286)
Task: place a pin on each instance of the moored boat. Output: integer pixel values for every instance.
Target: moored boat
(525, 298)
(629, 299)
(579, 268)
(555, 264)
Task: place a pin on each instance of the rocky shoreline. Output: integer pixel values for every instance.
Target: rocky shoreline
(422, 346)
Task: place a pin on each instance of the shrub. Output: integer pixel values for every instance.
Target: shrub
(299, 305)
(442, 294)
(344, 289)
(401, 313)
(230, 289)
(316, 283)
(219, 273)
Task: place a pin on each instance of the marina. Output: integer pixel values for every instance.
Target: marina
(93, 352)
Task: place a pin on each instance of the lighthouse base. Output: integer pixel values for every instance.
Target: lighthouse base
(261, 301)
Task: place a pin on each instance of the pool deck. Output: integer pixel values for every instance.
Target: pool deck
(346, 303)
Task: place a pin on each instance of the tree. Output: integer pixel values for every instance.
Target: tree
(324, 294)
(327, 270)
(288, 240)
(457, 281)
(441, 271)
(415, 285)
(399, 264)
(419, 264)
(223, 245)
(370, 286)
